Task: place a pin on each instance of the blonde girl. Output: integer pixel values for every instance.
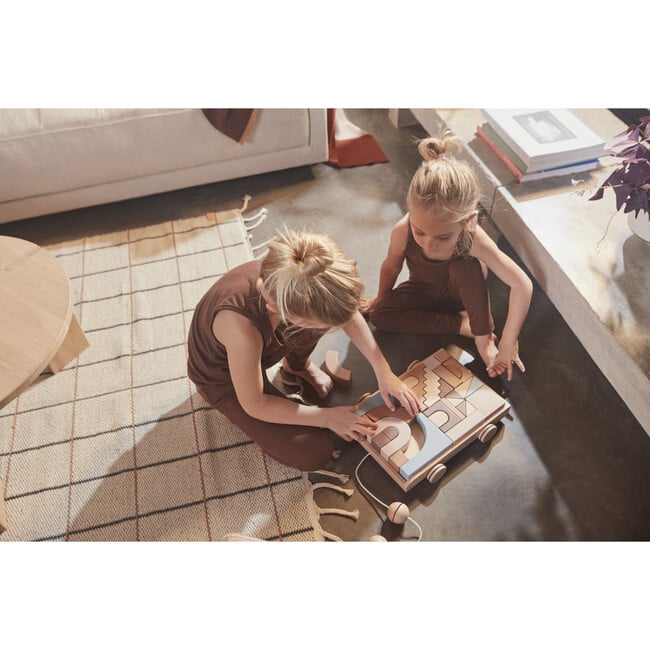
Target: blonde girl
(276, 309)
(448, 255)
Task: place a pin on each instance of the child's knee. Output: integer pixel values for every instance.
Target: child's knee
(465, 267)
(376, 317)
(385, 319)
(309, 453)
(467, 272)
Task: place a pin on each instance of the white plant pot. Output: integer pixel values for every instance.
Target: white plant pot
(640, 225)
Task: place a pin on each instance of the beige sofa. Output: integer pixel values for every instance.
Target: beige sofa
(61, 159)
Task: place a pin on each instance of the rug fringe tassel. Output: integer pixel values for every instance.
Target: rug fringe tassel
(350, 514)
(343, 478)
(260, 216)
(229, 215)
(264, 243)
(331, 537)
(238, 537)
(337, 488)
(297, 397)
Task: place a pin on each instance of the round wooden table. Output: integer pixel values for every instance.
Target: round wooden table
(37, 326)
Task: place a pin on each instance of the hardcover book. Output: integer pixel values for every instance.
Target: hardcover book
(544, 138)
(515, 165)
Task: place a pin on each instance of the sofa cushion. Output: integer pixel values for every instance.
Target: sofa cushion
(45, 151)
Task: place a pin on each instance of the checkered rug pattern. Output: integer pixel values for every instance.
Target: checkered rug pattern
(118, 446)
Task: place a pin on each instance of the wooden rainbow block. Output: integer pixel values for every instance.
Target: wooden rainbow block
(335, 370)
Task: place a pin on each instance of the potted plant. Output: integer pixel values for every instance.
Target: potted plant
(630, 181)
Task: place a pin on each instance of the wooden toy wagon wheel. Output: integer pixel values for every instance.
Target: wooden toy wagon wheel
(488, 433)
(436, 473)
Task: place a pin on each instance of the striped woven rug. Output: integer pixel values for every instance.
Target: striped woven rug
(118, 446)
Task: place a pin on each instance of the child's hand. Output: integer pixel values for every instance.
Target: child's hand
(366, 305)
(347, 424)
(487, 348)
(389, 385)
(507, 357)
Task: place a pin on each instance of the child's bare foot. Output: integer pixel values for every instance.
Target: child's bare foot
(319, 380)
(487, 348)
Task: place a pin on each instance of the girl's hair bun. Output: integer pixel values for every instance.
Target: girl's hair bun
(310, 256)
(444, 182)
(307, 275)
(439, 148)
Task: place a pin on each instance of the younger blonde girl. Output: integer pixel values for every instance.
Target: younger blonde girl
(448, 255)
(278, 308)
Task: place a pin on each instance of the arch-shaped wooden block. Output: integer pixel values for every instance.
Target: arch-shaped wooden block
(335, 370)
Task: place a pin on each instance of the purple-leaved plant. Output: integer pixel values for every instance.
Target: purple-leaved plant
(631, 179)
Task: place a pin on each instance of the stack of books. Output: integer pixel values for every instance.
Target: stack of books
(540, 142)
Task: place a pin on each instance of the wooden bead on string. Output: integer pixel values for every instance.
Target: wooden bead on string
(398, 512)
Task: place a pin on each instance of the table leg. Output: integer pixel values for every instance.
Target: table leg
(73, 345)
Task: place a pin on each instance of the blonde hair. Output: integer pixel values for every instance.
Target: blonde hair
(307, 275)
(446, 184)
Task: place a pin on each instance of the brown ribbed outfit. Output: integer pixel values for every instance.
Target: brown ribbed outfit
(303, 447)
(429, 301)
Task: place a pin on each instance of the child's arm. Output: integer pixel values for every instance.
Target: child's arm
(389, 384)
(394, 261)
(244, 345)
(521, 291)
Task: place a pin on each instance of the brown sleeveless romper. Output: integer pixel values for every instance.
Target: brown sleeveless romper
(306, 448)
(429, 301)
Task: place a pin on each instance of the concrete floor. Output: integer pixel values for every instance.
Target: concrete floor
(571, 462)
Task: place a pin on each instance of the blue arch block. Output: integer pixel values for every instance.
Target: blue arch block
(435, 441)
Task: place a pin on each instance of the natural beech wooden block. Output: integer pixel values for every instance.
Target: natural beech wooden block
(399, 434)
(73, 345)
(3, 516)
(398, 459)
(443, 416)
(452, 372)
(471, 421)
(335, 370)
(485, 400)
(382, 411)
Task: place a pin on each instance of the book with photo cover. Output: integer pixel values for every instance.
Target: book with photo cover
(514, 163)
(544, 138)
